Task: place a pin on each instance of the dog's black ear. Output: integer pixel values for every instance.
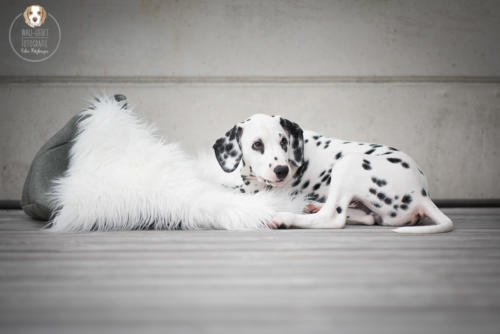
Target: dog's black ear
(296, 136)
(228, 149)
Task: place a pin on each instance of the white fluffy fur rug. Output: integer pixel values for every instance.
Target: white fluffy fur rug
(122, 176)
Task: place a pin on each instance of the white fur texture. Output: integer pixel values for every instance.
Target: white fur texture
(121, 176)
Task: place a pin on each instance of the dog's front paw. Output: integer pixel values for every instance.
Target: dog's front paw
(283, 219)
(272, 224)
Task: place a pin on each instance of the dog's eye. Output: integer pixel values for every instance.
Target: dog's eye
(39, 13)
(258, 146)
(31, 12)
(284, 144)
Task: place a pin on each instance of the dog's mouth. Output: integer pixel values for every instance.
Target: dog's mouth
(271, 183)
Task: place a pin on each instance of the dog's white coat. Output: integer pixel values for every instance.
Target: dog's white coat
(121, 176)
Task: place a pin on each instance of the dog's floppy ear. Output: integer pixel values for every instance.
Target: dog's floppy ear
(228, 149)
(26, 17)
(296, 135)
(44, 15)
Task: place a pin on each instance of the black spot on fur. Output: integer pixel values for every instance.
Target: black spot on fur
(406, 199)
(393, 214)
(404, 206)
(296, 182)
(388, 201)
(325, 178)
(373, 191)
(396, 197)
(316, 137)
(393, 149)
(329, 180)
(370, 151)
(366, 166)
(381, 195)
(338, 156)
(405, 165)
(301, 170)
(242, 190)
(394, 160)
(316, 186)
(379, 182)
(339, 209)
(395, 206)
(346, 142)
(305, 185)
(256, 191)
(318, 143)
(377, 205)
(312, 196)
(306, 141)
(424, 193)
(322, 173)
(322, 199)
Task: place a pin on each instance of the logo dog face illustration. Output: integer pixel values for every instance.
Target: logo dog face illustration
(35, 15)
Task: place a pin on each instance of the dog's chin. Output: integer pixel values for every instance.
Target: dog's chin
(273, 183)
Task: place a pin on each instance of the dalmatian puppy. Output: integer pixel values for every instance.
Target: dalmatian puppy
(346, 181)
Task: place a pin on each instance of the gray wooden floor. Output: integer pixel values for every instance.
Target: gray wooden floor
(356, 280)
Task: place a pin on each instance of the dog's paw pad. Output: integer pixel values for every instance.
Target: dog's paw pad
(312, 208)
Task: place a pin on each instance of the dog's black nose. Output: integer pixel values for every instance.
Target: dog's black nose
(281, 171)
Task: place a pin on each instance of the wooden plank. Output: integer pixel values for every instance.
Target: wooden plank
(296, 281)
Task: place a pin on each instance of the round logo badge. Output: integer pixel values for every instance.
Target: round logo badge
(34, 35)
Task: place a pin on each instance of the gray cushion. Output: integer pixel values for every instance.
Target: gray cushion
(49, 163)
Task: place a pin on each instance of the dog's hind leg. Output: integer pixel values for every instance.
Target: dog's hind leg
(359, 217)
(332, 215)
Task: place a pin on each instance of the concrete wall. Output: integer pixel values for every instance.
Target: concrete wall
(420, 75)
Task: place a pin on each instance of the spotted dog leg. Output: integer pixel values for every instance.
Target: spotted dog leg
(354, 216)
(332, 215)
(359, 217)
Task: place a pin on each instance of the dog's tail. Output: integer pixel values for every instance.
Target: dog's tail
(442, 223)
